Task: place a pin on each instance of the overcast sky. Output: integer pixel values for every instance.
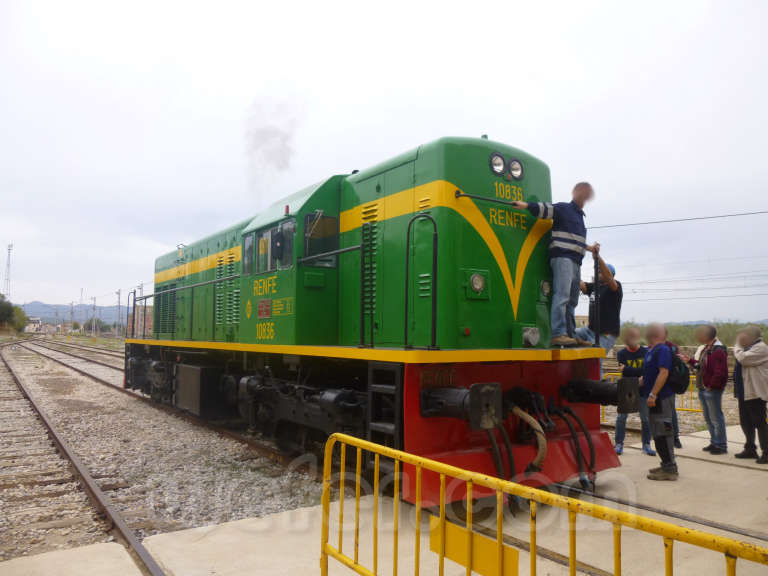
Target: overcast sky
(127, 130)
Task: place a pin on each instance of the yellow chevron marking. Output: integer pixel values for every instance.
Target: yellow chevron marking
(443, 193)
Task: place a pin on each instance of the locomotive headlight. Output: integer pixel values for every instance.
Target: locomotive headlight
(546, 288)
(516, 169)
(497, 164)
(477, 282)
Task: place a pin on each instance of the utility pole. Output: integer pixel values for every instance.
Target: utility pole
(93, 319)
(85, 314)
(71, 317)
(8, 273)
(118, 313)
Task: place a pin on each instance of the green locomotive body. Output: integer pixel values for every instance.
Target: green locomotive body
(492, 272)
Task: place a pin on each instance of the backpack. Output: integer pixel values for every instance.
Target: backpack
(679, 376)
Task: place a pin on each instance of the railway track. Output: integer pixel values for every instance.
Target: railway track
(262, 447)
(48, 496)
(180, 472)
(114, 364)
(83, 347)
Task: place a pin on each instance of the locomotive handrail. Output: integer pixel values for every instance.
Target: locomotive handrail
(306, 259)
(460, 194)
(596, 290)
(128, 312)
(422, 216)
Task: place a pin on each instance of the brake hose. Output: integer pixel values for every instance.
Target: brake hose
(587, 435)
(495, 453)
(583, 479)
(541, 438)
(508, 446)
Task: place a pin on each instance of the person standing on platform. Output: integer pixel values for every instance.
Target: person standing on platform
(631, 358)
(751, 355)
(566, 251)
(676, 352)
(711, 366)
(661, 401)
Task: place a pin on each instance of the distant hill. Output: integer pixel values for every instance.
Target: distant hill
(82, 312)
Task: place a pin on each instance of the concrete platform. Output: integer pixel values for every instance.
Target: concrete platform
(289, 543)
(693, 444)
(94, 560)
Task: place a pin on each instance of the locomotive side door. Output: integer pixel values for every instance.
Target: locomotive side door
(420, 283)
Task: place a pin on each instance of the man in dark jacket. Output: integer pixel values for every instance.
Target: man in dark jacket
(566, 251)
(711, 366)
(611, 295)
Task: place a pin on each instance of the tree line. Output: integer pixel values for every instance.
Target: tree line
(12, 316)
(685, 334)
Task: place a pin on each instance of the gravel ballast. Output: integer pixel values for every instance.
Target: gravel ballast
(162, 472)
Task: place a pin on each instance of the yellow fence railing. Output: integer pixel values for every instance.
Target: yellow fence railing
(458, 543)
(688, 402)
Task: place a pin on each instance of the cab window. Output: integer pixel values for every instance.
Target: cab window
(321, 234)
(274, 247)
(248, 254)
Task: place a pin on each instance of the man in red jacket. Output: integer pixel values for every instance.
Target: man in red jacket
(711, 366)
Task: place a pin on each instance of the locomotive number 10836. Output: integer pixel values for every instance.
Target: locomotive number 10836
(265, 331)
(508, 191)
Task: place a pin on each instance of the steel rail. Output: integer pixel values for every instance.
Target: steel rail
(94, 349)
(99, 362)
(671, 513)
(100, 500)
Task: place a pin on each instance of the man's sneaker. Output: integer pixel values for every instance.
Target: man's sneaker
(662, 474)
(585, 343)
(654, 470)
(763, 459)
(562, 341)
(648, 450)
(619, 448)
(708, 448)
(678, 444)
(747, 455)
(715, 451)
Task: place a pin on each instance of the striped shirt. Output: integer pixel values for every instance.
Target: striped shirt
(569, 234)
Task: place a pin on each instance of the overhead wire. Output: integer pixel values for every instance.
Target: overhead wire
(675, 220)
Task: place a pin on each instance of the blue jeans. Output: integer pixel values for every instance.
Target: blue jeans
(621, 424)
(607, 341)
(712, 406)
(566, 280)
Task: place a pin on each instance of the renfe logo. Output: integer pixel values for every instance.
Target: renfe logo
(265, 286)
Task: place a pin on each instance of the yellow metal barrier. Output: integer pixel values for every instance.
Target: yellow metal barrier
(688, 402)
(448, 540)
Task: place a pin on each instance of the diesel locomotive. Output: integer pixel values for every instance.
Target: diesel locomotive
(407, 304)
